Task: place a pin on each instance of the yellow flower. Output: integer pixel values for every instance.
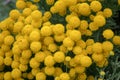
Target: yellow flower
(27, 29)
(59, 6)
(97, 57)
(49, 61)
(107, 12)
(40, 56)
(108, 33)
(58, 71)
(49, 70)
(36, 15)
(85, 61)
(99, 20)
(8, 61)
(8, 40)
(116, 40)
(35, 35)
(15, 64)
(50, 2)
(95, 6)
(35, 46)
(36, 24)
(1, 60)
(90, 77)
(82, 76)
(107, 46)
(67, 42)
(112, 53)
(75, 35)
(36, 0)
(35, 71)
(89, 49)
(14, 14)
(46, 31)
(23, 60)
(58, 29)
(77, 50)
(79, 69)
(16, 73)
(5, 47)
(23, 67)
(93, 26)
(26, 12)
(20, 4)
(21, 42)
(100, 13)
(28, 20)
(81, 43)
(102, 63)
(52, 47)
(97, 47)
(16, 50)
(70, 2)
(72, 72)
(59, 56)
(7, 76)
(74, 21)
(89, 42)
(2, 75)
(17, 29)
(91, 17)
(59, 38)
(84, 9)
(57, 78)
(100, 79)
(26, 53)
(88, 32)
(48, 40)
(77, 58)
(30, 75)
(47, 16)
(53, 10)
(21, 18)
(40, 76)
(67, 58)
(63, 48)
(118, 2)
(64, 76)
(83, 24)
(102, 73)
(9, 54)
(33, 63)
(33, 7)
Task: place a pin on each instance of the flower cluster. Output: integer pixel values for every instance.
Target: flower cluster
(32, 47)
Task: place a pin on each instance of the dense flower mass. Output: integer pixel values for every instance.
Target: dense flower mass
(32, 46)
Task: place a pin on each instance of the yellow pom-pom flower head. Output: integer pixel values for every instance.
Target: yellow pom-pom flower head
(59, 56)
(46, 31)
(116, 40)
(35, 35)
(35, 46)
(107, 12)
(49, 61)
(95, 6)
(16, 73)
(75, 35)
(99, 20)
(14, 14)
(58, 29)
(108, 34)
(86, 61)
(84, 9)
